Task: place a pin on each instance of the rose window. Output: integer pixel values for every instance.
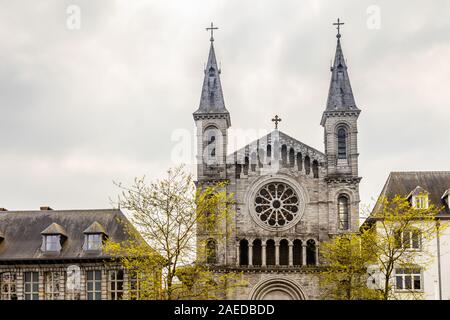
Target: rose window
(276, 204)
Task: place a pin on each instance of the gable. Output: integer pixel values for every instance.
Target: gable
(276, 140)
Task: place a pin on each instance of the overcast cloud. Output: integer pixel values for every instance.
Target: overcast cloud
(81, 108)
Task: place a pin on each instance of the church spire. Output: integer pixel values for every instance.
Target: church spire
(340, 95)
(211, 100)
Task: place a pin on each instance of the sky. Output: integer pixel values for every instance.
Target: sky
(93, 92)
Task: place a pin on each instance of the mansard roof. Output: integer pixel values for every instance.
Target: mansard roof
(283, 139)
(433, 182)
(22, 232)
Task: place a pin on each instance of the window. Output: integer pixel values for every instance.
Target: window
(94, 285)
(94, 241)
(8, 286)
(211, 251)
(52, 243)
(315, 167)
(135, 286)
(243, 252)
(277, 204)
(408, 239)
(307, 165)
(343, 212)
(284, 252)
(408, 279)
(311, 253)
(31, 288)
(342, 143)
(420, 201)
(116, 285)
(51, 285)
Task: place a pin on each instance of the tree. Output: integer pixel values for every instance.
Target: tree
(399, 234)
(168, 214)
(344, 276)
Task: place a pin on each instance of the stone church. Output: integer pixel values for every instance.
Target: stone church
(289, 197)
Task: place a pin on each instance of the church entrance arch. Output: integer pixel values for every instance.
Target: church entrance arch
(277, 289)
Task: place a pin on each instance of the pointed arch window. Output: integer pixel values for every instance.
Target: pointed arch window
(211, 251)
(311, 253)
(342, 143)
(343, 211)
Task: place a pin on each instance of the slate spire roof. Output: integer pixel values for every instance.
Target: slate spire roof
(211, 100)
(340, 95)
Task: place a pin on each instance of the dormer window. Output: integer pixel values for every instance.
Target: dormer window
(419, 198)
(94, 242)
(420, 201)
(94, 236)
(52, 238)
(52, 243)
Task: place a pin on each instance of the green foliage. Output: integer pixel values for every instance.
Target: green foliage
(174, 221)
(392, 218)
(344, 278)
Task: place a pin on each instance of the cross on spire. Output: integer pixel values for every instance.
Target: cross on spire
(212, 28)
(338, 24)
(276, 120)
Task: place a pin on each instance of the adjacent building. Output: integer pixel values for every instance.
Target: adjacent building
(57, 255)
(430, 280)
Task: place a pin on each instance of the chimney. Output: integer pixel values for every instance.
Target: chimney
(3, 209)
(46, 208)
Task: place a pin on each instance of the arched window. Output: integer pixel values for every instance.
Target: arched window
(284, 252)
(246, 165)
(297, 252)
(260, 158)
(211, 72)
(243, 252)
(315, 169)
(270, 252)
(269, 153)
(311, 252)
(343, 211)
(307, 165)
(253, 161)
(284, 154)
(257, 252)
(211, 251)
(299, 162)
(211, 136)
(342, 143)
(291, 158)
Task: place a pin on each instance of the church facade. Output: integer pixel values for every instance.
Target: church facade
(289, 197)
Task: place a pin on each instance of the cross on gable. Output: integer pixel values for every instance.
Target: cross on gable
(338, 24)
(212, 28)
(276, 120)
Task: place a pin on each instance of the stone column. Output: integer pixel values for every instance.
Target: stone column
(291, 255)
(104, 284)
(263, 253)
(19, 285)
(83, 295)
(126, 287)
(237, 255)
(41, 275)
(277, 253)
(62, 284)
(304, 254)
(250, 253)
